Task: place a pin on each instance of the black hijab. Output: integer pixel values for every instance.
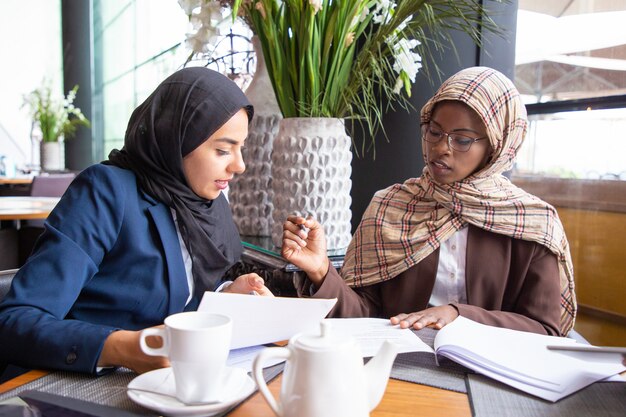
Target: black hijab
(180, 115)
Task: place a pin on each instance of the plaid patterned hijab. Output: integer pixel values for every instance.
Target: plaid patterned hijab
(407, 222)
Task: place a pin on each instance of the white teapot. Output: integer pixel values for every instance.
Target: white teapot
(325, 376)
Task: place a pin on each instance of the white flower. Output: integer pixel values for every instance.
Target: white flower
(189, 5)
(202, 41)
(71, 96)
(316, 4)
(384, 11)
(360, 17)
(405, 59)
(210, 14)
(407, 63)
(210, 23)
(364, 14)
(402, 25)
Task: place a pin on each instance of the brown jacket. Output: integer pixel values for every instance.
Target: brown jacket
(510, 283)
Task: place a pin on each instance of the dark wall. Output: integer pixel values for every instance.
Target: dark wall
(76, 38)
(401, 158)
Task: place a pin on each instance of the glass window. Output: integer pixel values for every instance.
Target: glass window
(579, 144)
(137, 44)
(566, 61)
(30, 52)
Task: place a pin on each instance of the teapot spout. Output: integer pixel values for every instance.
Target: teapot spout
(377, 372)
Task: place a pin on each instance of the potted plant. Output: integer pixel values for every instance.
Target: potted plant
(57, 119)
(329, 61)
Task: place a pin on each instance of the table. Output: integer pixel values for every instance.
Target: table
(15, 180)
(25, 208)
(400, 399)
(13, 186)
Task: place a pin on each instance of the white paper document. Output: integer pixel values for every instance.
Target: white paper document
(372, 333)
(243, 358)
(258, 320)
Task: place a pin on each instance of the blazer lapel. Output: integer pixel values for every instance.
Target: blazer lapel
(179, 290)
(472, 266)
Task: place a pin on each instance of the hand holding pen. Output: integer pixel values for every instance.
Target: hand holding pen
(304, 245)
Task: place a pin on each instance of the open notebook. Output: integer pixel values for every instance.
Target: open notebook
(519, 359)
(522, 360)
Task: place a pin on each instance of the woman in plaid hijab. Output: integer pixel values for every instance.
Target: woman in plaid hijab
(459, 240)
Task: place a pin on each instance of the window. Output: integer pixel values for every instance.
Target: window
(571, 72)
(31, 52)
(139, 43)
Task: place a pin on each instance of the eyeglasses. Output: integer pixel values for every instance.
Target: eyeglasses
(456, 141)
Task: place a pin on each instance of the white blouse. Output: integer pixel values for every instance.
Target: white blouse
(450, 282)
(186, 259)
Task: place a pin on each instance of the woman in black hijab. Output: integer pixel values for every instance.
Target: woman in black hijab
(137, 238)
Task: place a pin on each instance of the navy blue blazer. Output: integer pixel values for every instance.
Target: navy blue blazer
(109, 259)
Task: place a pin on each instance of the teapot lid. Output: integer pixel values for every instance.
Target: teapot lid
(327, 339)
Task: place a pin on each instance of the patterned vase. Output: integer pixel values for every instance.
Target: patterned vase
(249, 193)
(52, 156)
(311, 175)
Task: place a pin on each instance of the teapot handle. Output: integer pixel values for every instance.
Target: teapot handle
(257, 373)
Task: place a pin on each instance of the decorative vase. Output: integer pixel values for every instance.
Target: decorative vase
(249, 194)
(52, 156)
(311, 175)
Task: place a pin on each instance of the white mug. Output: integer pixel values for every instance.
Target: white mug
(197, 345)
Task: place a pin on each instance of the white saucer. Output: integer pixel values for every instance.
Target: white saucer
(237, 387)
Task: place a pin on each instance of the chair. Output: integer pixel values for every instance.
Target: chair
(6, 277)
(47, 185)
(7, 371)
(52, 185)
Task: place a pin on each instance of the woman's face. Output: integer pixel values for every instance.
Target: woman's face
(210, 166)
(447, 165)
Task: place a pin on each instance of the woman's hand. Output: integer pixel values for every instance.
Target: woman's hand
(249, 283)
(435, 317)
(122, 348)
(304, 245)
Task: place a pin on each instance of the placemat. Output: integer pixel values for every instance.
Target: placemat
(106, 390)
(490, 398)
(422, 368)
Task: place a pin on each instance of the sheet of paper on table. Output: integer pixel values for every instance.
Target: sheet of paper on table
(243, 358)
(258, 320)
(372, 333)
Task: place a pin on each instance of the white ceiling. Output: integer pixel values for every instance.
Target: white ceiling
(546, 38)
(558, 8)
